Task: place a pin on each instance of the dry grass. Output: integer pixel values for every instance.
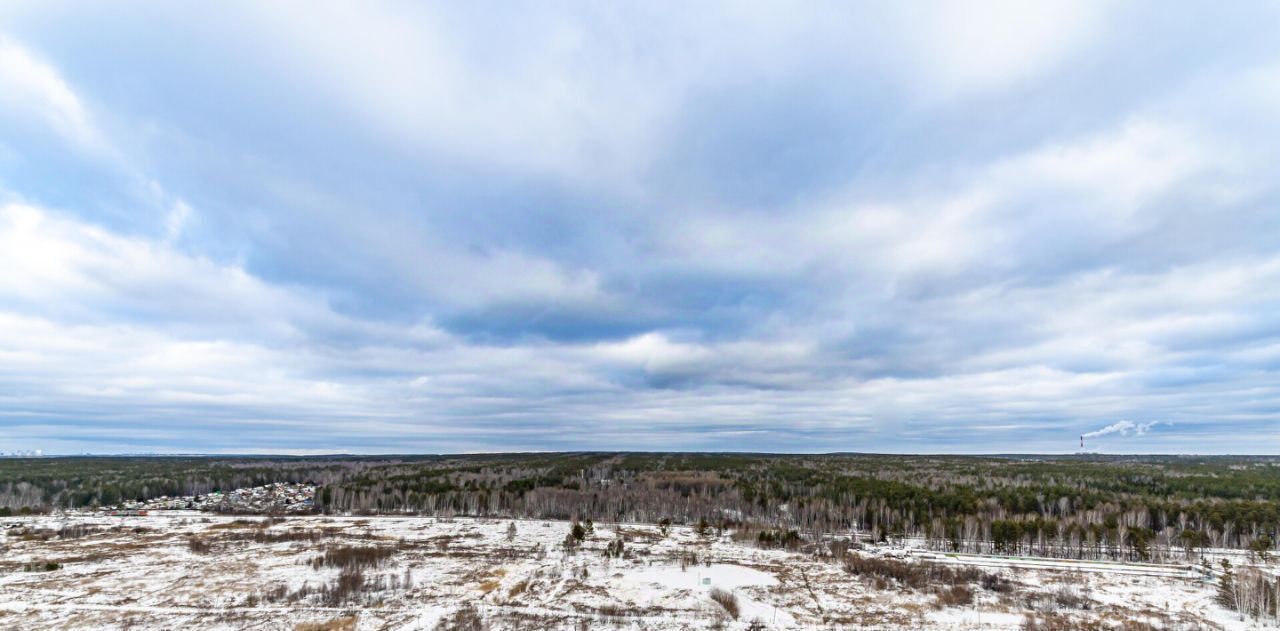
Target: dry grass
(353, 557)
(88, 556)
(347, 623)
(640, 534)
(517, 589)
(237, 523)
(268, 537)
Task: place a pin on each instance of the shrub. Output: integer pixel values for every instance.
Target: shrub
(996, 583)
(265, 536)
(1059, 622)
(883, 573)
(1261, 547)
(353, 557)
(614, 549)
(466, 618)
(954, 596)
(517, 589)
(614, 612)
(1068, 598)
(727, 600)
(198, 545)
(778, 539)
(76, 531)
(348, 585)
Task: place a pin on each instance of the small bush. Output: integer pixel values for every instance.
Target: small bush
(1068, 598)
(727, 600)
(261, 535)
(614, 612)
(954, 596)
(615, 548)
(353, 557)
(1059, 622)
(276, 594)
(789, 539)
(466, 618)
(996, 583)
(910, 575)
(76, 531)
(348, 585)
(517, 589)
(236, 523)
(1064, 597)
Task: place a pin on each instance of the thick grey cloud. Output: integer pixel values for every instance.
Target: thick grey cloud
(972, 228)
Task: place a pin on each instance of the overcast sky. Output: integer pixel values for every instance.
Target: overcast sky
(859, 226)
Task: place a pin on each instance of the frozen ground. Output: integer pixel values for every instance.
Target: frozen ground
(196, 571)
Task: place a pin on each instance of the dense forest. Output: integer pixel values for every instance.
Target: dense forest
(1131, 507)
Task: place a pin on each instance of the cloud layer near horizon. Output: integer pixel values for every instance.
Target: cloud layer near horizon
(872, 227)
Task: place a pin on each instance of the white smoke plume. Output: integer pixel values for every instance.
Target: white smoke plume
(1124, 428)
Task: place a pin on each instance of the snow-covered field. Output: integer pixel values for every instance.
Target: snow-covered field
(196, 571)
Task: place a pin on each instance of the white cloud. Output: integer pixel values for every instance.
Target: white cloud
(57, 264)
(33, 88)
(537, 97)
(959, 48)
(1099, 188)
(176, 220)
(593, 97)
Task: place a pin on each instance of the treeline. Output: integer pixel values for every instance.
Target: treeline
(1130, 508)
(1080, 507)
(83, 482)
